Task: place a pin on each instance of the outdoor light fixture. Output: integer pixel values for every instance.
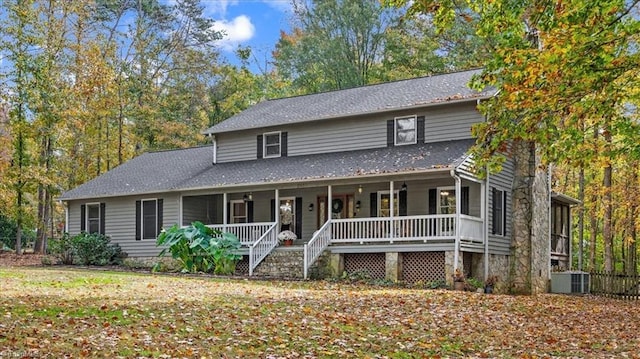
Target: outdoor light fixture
(310, 207)
(247, 198)
(360, 189)
(404, 186)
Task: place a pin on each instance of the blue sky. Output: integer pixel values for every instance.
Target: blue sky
(254, 23)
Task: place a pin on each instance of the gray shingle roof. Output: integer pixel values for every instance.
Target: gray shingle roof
(192, 169)
(378, 98)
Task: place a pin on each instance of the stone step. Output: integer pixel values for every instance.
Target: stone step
(283, 262)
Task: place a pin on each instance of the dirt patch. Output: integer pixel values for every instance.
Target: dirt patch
(10, 259)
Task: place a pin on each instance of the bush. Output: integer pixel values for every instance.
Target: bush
(199, 248)
(86, 249)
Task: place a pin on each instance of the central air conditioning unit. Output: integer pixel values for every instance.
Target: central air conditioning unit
(570, 282)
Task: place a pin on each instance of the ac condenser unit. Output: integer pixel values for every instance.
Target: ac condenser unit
(570, 282)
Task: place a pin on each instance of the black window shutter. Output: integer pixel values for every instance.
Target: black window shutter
(494, 215)
(102, 216)
(402, 203)
(250, 212)
(504, 213)
(433, 193)
(390, 132)
(273, 210)
(420, 129)
(283, 144)
(160, 204)
(259, 148)
(299, 217)
(373, 204)
(464, 197)
(83, 218)
(138, 220)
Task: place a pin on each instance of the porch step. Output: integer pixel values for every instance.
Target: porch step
(283, 262)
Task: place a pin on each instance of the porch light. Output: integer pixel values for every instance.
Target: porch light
(247, 198)
(310, 207)
(404, 186)
(360, 189)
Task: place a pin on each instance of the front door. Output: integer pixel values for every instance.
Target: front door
(342, 206)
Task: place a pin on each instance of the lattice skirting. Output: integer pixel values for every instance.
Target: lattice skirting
(369, 264)
(242, 267)
(423, 266)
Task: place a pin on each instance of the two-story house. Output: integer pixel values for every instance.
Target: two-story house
(377, 178)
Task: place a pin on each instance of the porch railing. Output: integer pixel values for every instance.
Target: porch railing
(318, 243)
(259, 249)
(247, 233)
(471, 229)
(385, 229)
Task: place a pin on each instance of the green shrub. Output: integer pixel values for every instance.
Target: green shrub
(86, 249)
(199, 248)
(96, 249)
(62, 249)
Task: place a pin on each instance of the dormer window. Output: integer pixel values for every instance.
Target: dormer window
(272, 144)
(405, 130)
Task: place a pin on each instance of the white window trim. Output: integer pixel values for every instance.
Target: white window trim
(142, 201)
(233, 214)
(503, 217)
(264, 144)
(415, 129)
(396, 208)
(86, 216)
(438, 191)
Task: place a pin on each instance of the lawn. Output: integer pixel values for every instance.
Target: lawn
(81, 313)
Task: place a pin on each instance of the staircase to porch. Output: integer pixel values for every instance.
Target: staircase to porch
(282, 262)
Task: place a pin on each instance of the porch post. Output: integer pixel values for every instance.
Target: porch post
(485, 226)
(225, 215)
(391, 212)
(329, 199)
(456, 250)
(276, 203)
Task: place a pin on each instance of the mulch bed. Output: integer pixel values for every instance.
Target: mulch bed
(10, 259)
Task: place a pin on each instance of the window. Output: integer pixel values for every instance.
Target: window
(498, 212)
(148, 218)
(405, 130)
(92, 218)
(238, 211)
(384, 204)
(272, 144)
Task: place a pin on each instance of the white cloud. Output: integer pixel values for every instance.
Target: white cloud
(280, 5)
(218, 7)
(236, 31)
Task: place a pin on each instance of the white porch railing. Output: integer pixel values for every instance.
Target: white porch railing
(385, 229)
(318, 243)
(247, 233)
(259, 249)
(471, 229)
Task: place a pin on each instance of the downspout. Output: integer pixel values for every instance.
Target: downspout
(456, 251)
(66, 216)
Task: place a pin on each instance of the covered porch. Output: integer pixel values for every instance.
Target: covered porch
(435, 210)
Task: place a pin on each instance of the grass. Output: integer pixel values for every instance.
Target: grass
(82, 313)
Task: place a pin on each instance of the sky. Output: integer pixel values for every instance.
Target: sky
(253, 23)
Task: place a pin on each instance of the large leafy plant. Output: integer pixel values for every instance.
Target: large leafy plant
(199, 248)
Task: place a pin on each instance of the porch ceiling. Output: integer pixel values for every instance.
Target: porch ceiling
(191, 169)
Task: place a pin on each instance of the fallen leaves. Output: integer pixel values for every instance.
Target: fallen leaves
(46, 311)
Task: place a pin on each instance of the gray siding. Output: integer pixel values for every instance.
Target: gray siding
(442, 123)
(502, 181)
(120, 221)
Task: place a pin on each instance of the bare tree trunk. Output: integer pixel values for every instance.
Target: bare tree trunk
(581, 218)
(607, 228)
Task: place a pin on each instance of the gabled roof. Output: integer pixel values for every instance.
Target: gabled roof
(384, 97)
(190, 169)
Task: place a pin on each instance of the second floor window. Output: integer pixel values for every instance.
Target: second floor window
(272, 144)
(405, 130)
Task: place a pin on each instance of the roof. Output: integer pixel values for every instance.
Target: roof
(190, 169)
(384, 97)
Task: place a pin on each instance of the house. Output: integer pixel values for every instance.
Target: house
(375, 179)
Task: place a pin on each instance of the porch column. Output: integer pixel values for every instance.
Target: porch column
(276, 203)
(456, 250)
(225, 213)
(391, 212)
(485, 225)
(329, 199)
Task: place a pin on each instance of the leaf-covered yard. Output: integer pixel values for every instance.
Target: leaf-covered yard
(80, 313)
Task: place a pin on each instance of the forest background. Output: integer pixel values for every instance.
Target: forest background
(93, 83)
